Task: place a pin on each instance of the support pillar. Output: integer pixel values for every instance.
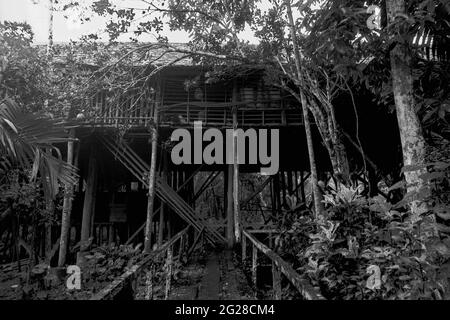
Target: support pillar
(162, 210)
(151, 183)
(88, 207)
(230, 209)
(237, 219)
(67, 206)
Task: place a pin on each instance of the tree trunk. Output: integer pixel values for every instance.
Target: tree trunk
(412, 140)
(318, 197)
(324, 117)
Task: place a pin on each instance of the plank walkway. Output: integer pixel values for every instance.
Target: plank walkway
(217, 279)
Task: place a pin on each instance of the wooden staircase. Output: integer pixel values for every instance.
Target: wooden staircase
(139, 168)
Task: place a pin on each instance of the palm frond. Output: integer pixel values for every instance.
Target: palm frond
(433, 33)
(28, 139)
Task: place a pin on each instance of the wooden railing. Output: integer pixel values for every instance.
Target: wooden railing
(220, 114)
(279, 266)
(125, 286)
(267, 113)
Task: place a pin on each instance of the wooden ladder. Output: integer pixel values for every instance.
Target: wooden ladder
(139, 168)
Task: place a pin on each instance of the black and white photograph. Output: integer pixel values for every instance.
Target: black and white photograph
(224, 157)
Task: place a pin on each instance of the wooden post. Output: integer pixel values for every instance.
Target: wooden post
(276, 180)
(283, 187)
(94, 201)
(276, 282)
(169, 271)
(290, 187)
(244, 249)
(111, 234)
(50, 207)
(237, 220)
(67, 205)
(161, 211)
(48, 228)
(88, 202)
(254, 266)
(230, 213)
(302, 187)
(151, 183)
(181, 248)
(149, 284)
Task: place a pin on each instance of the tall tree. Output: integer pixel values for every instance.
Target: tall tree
(318, 197)
(413, 142)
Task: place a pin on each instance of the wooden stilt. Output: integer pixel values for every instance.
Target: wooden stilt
(230, 211)
(169, 271)
(244, 249)
(237, 219)
(93, 204)
(283, 186)
(276, 282)
(225, 189)
(151, 184)
(149, 284)
(277, 194)
(67, 206)
(161, 211)
(111, 234)
(254, 266)
(88, 201)
(290, 188)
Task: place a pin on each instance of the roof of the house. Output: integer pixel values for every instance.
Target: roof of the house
(132, 54)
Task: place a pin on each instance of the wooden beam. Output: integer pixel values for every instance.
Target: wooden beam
(257, 191)
(197, 238)
(124, 279)
(206, 184)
